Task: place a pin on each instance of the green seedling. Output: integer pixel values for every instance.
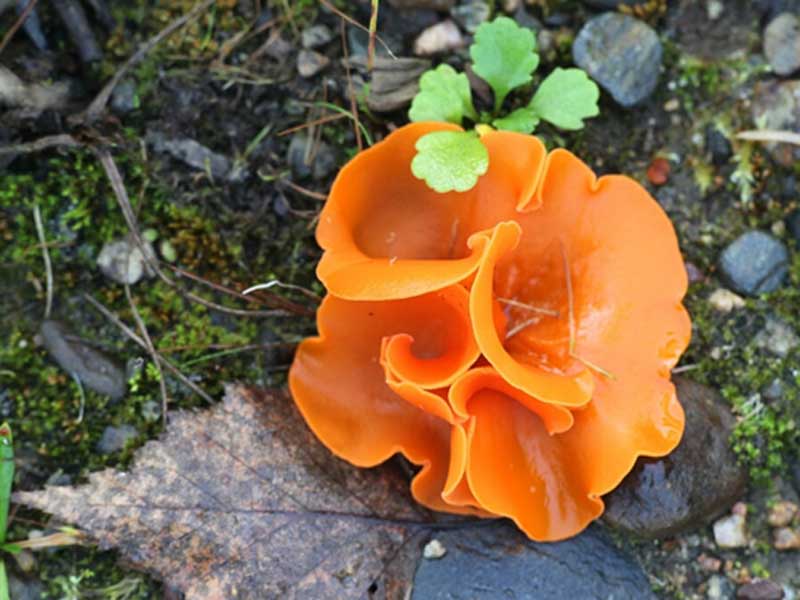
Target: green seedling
(504, 55)
(6, 480)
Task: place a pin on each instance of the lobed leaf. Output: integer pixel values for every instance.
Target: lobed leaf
(522, 120)
(450, 160)
(444, 95)
(565, 98)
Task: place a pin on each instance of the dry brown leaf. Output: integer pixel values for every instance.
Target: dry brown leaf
(241, 501)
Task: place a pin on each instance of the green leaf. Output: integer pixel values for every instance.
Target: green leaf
(522, 120)
(504, 54)
(565, 98)
(444, 95)
(450, 160)
(6, 475)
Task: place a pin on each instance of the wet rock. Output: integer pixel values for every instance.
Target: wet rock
(697, 481)
(786, 538)
(94, 369)
(124, 261)
(782, 43)
(440, 5)
(731, 531)
(309, 63)
(718, 146)
(307, 159)
(115, 439)
(777, 337)
(725, 300)
(793, 224)
(316, 36)
(124, 98)
(471, 14)
(394, 83)
(491, 561)
(754, 263)
(442, 37)
(23, 589)
(776, 105)
(759, 589)
(622, 54)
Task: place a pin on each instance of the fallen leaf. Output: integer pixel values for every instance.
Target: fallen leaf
(241, 501)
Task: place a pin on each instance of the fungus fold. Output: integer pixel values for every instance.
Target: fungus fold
(514, 341)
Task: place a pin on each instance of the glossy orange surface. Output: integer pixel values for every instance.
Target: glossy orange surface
(515, 341)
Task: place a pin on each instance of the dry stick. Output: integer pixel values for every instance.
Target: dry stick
(121, 194)
(98, 105)
(306, 192)
(768, 135)
(42, 143)
(320, 121)
(355, 23)
(48, 266)
(373, 31)
(530, 307)
(132, 335)
(19, 22)
(572, 335)
(152, 350)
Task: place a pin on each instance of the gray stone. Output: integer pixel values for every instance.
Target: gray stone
(124, 261)
(95, 370)
(23, 589)
(777, 337)
(309, 63)
(471, 14)
(718, 146)
(689, 487)
(776, 105)
(488, 561)
(115, 439)
(720, 588)
(622, 54)
(755, 263)
(731, 531)
(394, 83)
(310, 160)
(316, 36)
(124, 98)
(196, 155)
(440, 38)
(782, 43)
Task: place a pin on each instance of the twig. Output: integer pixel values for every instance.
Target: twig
(82, 408)
(152, 350)
(350, 92)
(98, 105)
(42, 143)
(769, 135)
(121, 195)
(320, 121)
(48, 266)
(286, 286)
(306, 192)
(373, 31)
(355, 23)
(17, 24)
(132, 335)
(530, 307)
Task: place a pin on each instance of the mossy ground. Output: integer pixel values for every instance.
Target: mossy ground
(221, 235)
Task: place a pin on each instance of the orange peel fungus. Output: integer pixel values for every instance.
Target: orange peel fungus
(515, 340)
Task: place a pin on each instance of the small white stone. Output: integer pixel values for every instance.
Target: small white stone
(725, 300)
(442, 37)
(729, 532)
(434, 550)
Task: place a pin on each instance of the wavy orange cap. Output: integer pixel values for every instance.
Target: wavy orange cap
(515, 341)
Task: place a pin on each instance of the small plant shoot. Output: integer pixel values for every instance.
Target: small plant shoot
(504, 55)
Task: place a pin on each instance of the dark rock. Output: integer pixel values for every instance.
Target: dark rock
(760, 589)
(124, 98)
(488, 561)
(23, 589)
(793, 224)
(196, 155)
(720, 588)
(769, 9)
(526, 19)
(471, 14)
(622, 54)
(718, 146)
(394, 83)
(309, 63)
(32, 26)
(316, 36)
(754, 263)
(557, 19)
(776, 105)
(782, 43)
(691, 486)
(94, 369)
(307, 159)
(115, 439)
(76, 23)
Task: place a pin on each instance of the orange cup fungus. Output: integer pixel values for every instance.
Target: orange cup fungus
(514, 340)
